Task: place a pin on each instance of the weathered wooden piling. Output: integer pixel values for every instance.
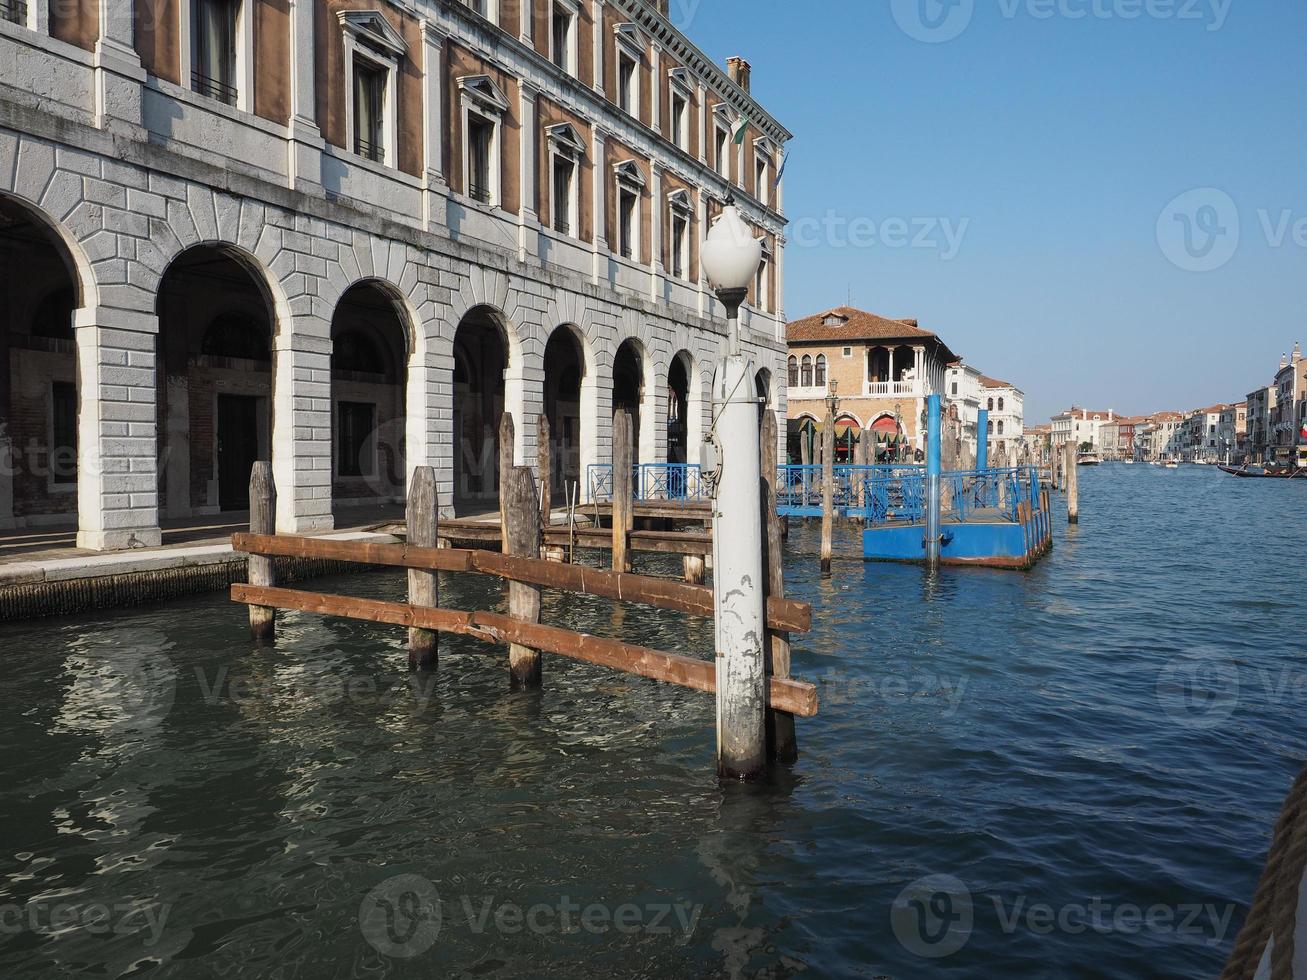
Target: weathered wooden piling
(544, 468)
(1072, 485)
(781, 742)
(507, 435)
(622, 490)
(522, 538)
(263, 520)
(693, 568)
(740, 625)
(423, 586)
(827, 485)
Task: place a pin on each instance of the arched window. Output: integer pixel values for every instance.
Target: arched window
(820, 380)
(991, 404)
(794, 371)
(990, 428)
(352, 351)
(236, 335)
(54, 317)
(807, 372)
(1000, 426)
(1000, 404)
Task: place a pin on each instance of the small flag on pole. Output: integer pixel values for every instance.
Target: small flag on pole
(741, 127)
(780, 171)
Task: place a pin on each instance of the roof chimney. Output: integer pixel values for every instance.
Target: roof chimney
(738, 70)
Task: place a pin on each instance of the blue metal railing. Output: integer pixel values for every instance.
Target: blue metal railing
(799, 488)
(650, 481)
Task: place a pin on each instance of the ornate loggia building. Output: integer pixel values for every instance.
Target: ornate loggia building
(345, 235)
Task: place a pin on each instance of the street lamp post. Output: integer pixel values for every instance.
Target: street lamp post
(730, 257)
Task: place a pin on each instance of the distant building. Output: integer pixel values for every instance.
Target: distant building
(962, 390)
(1201, 439)
(1080, 426)
(1036, 441)
(1232, 432)
(881, 370)
(1117, 437)
(1261, 424)
(1007, 415)
(1160, 436)
(1290, 413)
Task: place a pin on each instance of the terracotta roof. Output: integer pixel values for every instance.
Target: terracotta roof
(988, 382)
(1209, 410)
(860, 325)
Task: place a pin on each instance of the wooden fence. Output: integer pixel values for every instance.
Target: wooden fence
(520, 565)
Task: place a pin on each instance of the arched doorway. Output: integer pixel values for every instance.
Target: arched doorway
(369, 371)
(564, 373)
(628, 388)
(215, 381)
(762, 388)
(888, 445)
(678, 409)
(39, 291)
(848, 435)
(480, 360)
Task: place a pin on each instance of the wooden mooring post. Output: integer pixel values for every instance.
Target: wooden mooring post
(507, 435)
(522, 538)
(1072, 485)
(544, 468)
(423, 586)
(782, 744)
(263, 520)
(623, 519)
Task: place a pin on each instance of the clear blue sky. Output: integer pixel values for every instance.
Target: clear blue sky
(1060, 142)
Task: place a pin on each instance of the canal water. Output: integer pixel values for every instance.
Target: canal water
(1070, 772)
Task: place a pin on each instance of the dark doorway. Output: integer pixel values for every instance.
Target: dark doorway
(564, 370)
(238, 449)
(628, 388)
(480, 359)
(678, 411)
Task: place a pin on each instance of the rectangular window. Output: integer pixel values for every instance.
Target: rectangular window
(63, 442)
(369, 103)
(564, 178)
(627, 202)
(563, 37)
(721, 141)
(14, 11)
(480, 139)
(680, 245)
(761, 300)
(680, 112)
(213, 56)
(355, 450)
(627, 94)
(762, 178)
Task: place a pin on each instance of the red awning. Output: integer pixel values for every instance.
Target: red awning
(886, 425)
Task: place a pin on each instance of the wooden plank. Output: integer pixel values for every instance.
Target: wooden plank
(423, 585)
(522, 539)
(663, 593)
(263, 520)
(796, 697)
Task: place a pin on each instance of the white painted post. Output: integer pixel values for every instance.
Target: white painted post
(738, 575)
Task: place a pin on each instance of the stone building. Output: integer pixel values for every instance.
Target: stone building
(345, 235)
(1261, 422)
(1289, 416)
(882, 372)
(1005, 403)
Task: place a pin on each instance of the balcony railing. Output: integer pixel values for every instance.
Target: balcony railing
(651, 481)
(211, 87)
(887, 389)
(373, 151)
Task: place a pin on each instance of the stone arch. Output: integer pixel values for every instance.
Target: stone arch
(633, 385)
(684, 408)
(570, 389)
(374, 341)
(216, 389)
(48, 421)
(484, 386)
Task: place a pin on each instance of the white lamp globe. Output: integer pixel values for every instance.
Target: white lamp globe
(730, 254)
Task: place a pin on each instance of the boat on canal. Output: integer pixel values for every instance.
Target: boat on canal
(1088, 459)
(1265, 473)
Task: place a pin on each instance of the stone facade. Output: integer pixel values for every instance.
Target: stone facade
(128, 173)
